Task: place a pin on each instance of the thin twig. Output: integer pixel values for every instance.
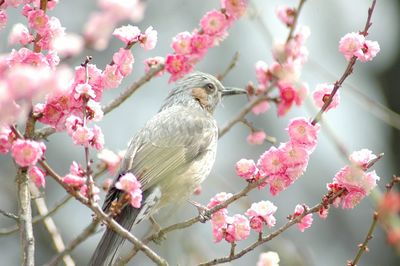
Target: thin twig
(231, 66)
(239, 117)
(85, 234)
(363, 247)
(347, 72)
(134, 87)
(10, 215)
(296, 17)
(50, 226)
(111, 223)
(270, 236)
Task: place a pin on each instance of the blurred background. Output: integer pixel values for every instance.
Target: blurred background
(357, 123)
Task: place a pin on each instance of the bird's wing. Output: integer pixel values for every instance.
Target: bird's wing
(167, 146)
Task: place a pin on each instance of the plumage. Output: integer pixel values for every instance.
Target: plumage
(170, 156)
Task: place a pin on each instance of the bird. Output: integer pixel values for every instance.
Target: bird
(170, 156)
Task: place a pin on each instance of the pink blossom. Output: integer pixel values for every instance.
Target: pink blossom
(26, 152)
(200, 44)
(37, 176)
(95, 191)
(112, 77)
(362, 157)
(94, 111)
(272, 162)
(68, 45)
(256, 138)
(111, 159)
(288, 96)
(322, 93)
(6, 139)
(82, 136)
(178, 66)
(239, 229)
(286, 15)
(98, 39)
(19, 35)
(153, 62)
(278, 183)
(98, 138)
(127, 34)
(3, 19)
(38, 20)
(131, 186)
(181, 43)
(263, 74)
(303, 133)
(245, 168)
(124, 60)
(122, 10)
(350, 44)
(76, 169)
(72, 123)
(264, 211)
(261, 108)
(214, 23)
(306, 221)
(74, 180)
(368, 51)
(294, 155)
(218, 199)
(235, 8)
(84, 91)
(148, 40)
(269, 258)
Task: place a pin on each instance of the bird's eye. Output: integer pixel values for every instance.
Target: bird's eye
(210, 87)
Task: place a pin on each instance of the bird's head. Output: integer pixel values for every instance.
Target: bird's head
(202, 89)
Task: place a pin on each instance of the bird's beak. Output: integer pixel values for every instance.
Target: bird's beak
(233, 91)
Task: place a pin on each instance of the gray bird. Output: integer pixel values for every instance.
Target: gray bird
(170, 156)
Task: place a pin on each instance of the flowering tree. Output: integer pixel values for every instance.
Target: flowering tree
(41, 96)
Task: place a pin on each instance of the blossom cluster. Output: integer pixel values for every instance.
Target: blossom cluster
(354, 179)
(26, 153)
(237, 227)
(190, 47)
(355, 45)
(284, 71)
(77, 178)
(131, 186)
(107, 18)
(281, 166)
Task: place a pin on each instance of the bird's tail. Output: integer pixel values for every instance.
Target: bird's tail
(107, 250)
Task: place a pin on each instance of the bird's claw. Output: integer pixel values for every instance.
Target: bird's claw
(204, 214)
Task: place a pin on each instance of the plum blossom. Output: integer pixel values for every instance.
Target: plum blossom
(127, 34)
(245, 168)
(261, 213)
(368, 51)
(322, 93)
(148, 40)
(303, 133)
(269, 258)
(256, 138)
(234, 8)
(214, 23)
(111, 159)
(82, 136)
(238, 229)
(19, 34)
(306, 221)
(362, 157)
(37, 176)
(181, 43)
(95, 191)
(6, 139)
(153, 62)
(124, 60)
(112, 77)
(27, 152)
(3, 19)
(261, 108)
(286, 15)
(129, 184)
(351, 43)
(178, 66)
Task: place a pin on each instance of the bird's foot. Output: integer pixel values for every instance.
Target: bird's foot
(204, 214)
(159, 235)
